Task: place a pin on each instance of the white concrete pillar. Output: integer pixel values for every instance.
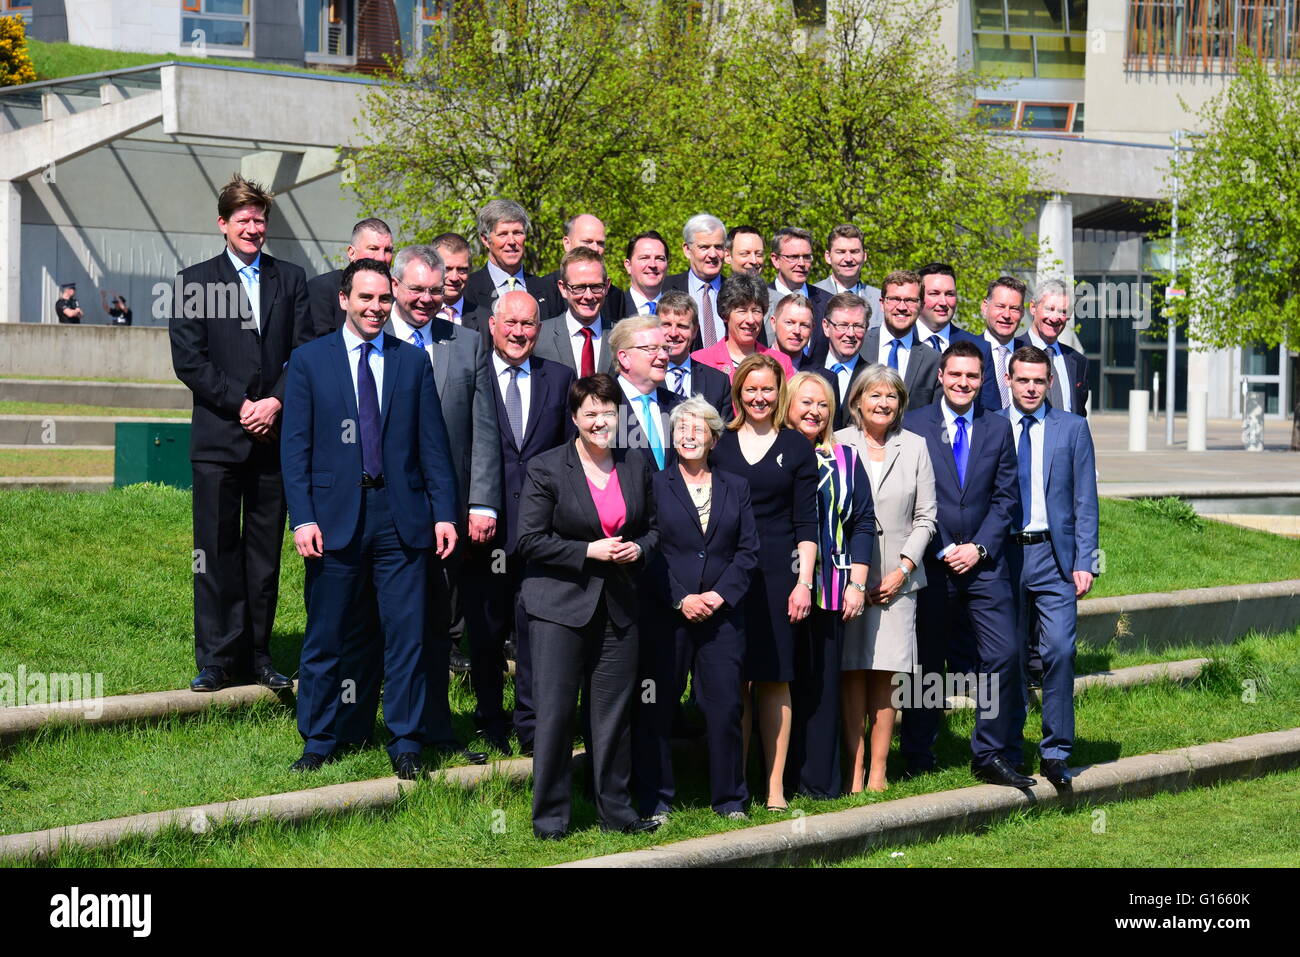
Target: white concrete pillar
(1198, 401)
(1056, 250)
(11, 250)
(1138, 401)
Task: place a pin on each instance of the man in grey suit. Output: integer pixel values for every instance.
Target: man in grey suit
(893, 343)
(577, 337)
(846, 255)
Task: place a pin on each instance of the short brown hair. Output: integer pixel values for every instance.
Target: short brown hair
(899, 277)
(581, 254)
(678, 300)
(1007, 282)
(453, 243)
(845, 231)
(600, 386)
(1030, 355)
(240, 192)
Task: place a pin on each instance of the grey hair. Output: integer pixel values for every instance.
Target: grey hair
(425, 254)
(702, 409)
(877, 374)
(1051, 287)
(702, 223)
(501, 211)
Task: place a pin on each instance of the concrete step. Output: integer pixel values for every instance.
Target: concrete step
(122, 395)
(64, 430)
(59, 483)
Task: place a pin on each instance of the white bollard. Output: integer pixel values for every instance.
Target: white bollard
(1198, 404)
(1138, 400)
(1252, 425)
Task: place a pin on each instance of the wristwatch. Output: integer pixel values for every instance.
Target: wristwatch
(677, 606)
(861, 588)
(907, 573)
(808, 585)
(984, 552)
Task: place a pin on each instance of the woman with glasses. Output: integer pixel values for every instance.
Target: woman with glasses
(781, 469)
(742, 304)
(586, 527)
(883, 642)
(846, 525)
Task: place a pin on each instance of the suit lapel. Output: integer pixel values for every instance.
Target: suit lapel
(440, 339)
(343, 376)
(230, 278)
(683, 495)
(269, 280)
(582, 494)
(630, 490)
(979, 434)
(538, 400)
(943, 442)
(392, 358)
(892, 449)
(1051, 433)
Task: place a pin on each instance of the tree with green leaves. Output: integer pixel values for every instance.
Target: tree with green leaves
(1238, 191)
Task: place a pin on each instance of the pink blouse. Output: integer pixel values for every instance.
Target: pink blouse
(717, 357)
(609, 504)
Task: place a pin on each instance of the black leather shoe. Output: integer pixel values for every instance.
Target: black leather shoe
(550, 835)
(311, 761)
(917, 768)
(642, 825)
(210, 678)
(461, 754)
(268, 677)
(1035, 682)
(408, 766)
(458, 662)
(1056, 771)
(999, 771)
(511, 650)
(500, 742)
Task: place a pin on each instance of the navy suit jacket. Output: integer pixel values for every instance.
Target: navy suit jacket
(714, 386)
(548, 426)
(989, 397)
(1077, 363)
(1070, 477)
(320, 443)
(981, 511)
(479, 300)
(692, 562)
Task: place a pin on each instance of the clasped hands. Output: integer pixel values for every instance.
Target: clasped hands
(701, 607)
(613, 550)
(258, 418)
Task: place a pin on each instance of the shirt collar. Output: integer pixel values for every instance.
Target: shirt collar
(832, 359)
(950, 416)
(1016, 415)
(500, 365)
(784, 291)
(633, 395)
(403, 329)
(1036, 340)
(684, 365)
(239, 263)
(992, 340)
(945, 334)
(575, 325)
(353, 341)
(639, 300)
(906, 339)
(696, 283)
(499, 275)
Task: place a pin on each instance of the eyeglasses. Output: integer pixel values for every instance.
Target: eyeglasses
(585, 288)
(843, 327)
(420, 290)
(797, 257)
(902, 300)
(654, 350)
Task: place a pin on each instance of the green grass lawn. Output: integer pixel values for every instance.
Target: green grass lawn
(55, 460)
(1249, 823)
(101, 582)
(55, 60)
(187, 761)
(67, 408)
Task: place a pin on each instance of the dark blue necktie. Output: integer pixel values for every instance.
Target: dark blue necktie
(372, 453)
(960, 452)
(893, 354)
(1025, 467)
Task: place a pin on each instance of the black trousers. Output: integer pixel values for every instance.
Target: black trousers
(600, 661)
(813, 764)
(713, 652)
(490, 584)
(239, 512)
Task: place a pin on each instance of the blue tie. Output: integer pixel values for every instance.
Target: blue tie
(417, 339)
(372, 453)
(653, 307)
(936, 343)
(960, 452)
(893, 354)
(1025, 468)
(839, 367)
(652, 431)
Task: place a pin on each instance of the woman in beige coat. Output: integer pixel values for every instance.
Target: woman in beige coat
(883, 641)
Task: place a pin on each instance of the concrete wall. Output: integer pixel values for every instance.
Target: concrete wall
(277, 31)
(90, 351)
(149, 26)
(49, 21)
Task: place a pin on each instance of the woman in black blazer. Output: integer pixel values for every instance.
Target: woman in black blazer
(696, 582)
(586, 527)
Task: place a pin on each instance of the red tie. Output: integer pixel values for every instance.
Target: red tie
(588, 353)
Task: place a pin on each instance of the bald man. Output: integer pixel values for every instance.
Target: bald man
(587, 230)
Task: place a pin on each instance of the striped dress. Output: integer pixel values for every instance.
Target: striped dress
(846, 522)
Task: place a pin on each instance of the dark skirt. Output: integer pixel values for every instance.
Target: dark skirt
(769, 636)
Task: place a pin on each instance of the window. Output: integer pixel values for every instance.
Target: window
(217, 23)
(1022, 115)
(429, 17)
(1030, 38)
(1202, 36)
(327, 28)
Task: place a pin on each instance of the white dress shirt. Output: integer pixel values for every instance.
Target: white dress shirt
(950, 423)
(250, 277)
(525, 379)
(904, 348)
(576, 339)
(1059, 369)
(1037, 442)
(501, 280)
(923, 331)
(782, 291)
(454, 311)
(376, 363)
(641, 302)
(634, 397)
(695, 286)
(403, 330)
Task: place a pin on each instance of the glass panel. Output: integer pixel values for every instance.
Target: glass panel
(237, 8)
(1089, 333)
(988, 15)
(1260, 361)
(812, 12)
(1040, 16)
(223, 32)
(999, 115)
(1061, 57)
(406, 14)
(1094, 386)
(1078, 119)
(1118, 386)
(313, 12)
(1045, 116)
(1010, 56)
(1078, 15)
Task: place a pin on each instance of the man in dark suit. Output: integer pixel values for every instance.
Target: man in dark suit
(792, 257)
(503, 227)
(683, 377)
(641, 360)
(894, 343)
(746, 251)
(530, 395)
(704, 241)
(966, 615)
(792, 330)
(1051, 314)
(455, 253)
(587, 230)
(1053, 545)
(235, 318)
(840, 361)
(846, 255)
(370, 494)
(577, 336)
(646, 265)
(938, 330)
(371, 239)
(1002, 308)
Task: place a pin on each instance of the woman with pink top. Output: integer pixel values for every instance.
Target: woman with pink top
(742, 303)
(586, 526)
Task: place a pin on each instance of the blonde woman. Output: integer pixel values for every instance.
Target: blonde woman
(883, 642)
